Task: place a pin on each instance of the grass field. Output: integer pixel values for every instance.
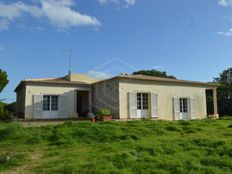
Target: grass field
(118, 147)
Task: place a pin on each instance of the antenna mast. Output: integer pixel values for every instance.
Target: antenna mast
(69, 51)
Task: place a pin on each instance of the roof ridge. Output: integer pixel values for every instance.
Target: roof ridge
(48, 78)
(147, 77)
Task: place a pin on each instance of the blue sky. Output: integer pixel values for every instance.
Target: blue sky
(190, 39)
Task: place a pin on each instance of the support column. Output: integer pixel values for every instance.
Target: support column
(90, 101)
(215, 102)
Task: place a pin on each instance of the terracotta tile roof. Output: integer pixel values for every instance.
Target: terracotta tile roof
(161, 79)
(61, 80)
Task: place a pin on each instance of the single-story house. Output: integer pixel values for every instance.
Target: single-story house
(127, 96)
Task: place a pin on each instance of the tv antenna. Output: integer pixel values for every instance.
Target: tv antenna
(69, 52)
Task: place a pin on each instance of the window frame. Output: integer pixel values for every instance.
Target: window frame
(184, 105)
(52, 102)
(142, 101)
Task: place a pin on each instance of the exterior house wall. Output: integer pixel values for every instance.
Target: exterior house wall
(43, 89)
(166, 92)
(106, 95)
(20, 105)
(80, 78)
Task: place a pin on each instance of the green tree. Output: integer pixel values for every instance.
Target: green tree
(155, 73)
(224, 92)
(3, 82)
(3, 79)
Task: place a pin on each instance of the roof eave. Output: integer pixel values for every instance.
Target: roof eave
(179, 82)
(19, 85)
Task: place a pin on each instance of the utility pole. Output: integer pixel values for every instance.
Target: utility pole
(69, 52)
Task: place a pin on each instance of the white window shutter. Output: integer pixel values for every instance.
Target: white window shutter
(133, 105)
(154, 105)
(63, 106)
(176, 108)
(193, 108)
(38, 106)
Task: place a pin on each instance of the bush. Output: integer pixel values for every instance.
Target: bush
(4, 113)
(11, 108)
(103, 112)
(2, 106)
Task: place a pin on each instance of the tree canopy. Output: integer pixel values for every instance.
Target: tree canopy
(224, 92)
(154, 73)
(3, 79)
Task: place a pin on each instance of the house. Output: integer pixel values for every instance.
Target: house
(128, 97)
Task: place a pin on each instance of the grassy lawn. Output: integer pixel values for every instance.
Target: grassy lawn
(118, 147)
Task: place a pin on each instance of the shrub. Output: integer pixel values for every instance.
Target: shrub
(4, 113)
(11, 108)
(103, 112)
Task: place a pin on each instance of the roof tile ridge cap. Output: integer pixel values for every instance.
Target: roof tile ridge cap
(141, 75)
(49, 78)
(163, 78)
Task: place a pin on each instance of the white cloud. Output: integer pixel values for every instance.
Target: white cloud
(227, 33)
(59, 13)
(225, 2)
(124, 3)
(36, 29)
(158, 67)
(99, 75)
(131, 2)
(3, 24)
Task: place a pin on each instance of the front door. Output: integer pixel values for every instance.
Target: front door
(184, 109)
(142, 105)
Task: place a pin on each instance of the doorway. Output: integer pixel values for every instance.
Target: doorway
(142, 105)
(184, 109)
(82, 105)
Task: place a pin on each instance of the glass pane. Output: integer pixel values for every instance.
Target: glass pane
(46, 102)
(181, 106)
(185, 105)
(139, 100)
(145, 101)
(54, 105)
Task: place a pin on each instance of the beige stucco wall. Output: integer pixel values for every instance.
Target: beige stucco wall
(106, 95)
(81, 78)
(165, 92)
(41, 89)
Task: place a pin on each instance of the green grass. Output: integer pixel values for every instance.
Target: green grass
(201, 146)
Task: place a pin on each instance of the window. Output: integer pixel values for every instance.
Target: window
(50, 103)
(183, 105)
(54, 105)
(46, 102)
(142, 101)
(139, 101)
